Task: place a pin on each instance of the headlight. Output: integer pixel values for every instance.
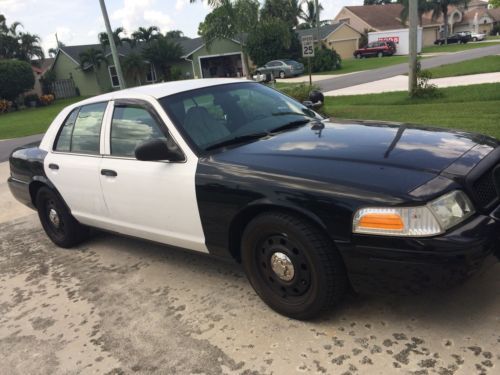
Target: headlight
(432, 219)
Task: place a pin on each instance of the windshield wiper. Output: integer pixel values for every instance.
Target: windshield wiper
(237, 140)
(291, 125)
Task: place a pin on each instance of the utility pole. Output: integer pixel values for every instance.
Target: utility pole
(112, 45)
(413, 18)
(316, 7)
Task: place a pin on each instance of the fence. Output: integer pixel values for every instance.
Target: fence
(64, 88)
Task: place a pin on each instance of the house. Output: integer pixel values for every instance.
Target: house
(476, 18)
(385, 17)
(222, 58)
(39, 67)
(340, 36)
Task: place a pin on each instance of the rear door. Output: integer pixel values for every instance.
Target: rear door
(72, 164)
(152, 200)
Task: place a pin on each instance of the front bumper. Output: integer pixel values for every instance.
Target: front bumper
(411, 265)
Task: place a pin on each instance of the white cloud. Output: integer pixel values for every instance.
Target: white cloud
(180, 4)
(157, 18)
(7, 6)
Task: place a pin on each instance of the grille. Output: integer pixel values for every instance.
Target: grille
(485, 191)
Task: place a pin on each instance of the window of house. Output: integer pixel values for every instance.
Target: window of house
(151, 73)
(113, 75)
(132, 126)
(81, 132)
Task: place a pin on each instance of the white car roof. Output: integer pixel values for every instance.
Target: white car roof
(160, 90)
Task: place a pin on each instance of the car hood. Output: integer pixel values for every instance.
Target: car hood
(362, 153)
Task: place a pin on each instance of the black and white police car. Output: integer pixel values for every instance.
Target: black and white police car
(233, 168)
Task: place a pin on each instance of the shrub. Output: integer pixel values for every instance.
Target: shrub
(299, 92)
(175, 73)
(16, 77)
(325, 60)
(5, 106)
(425, 89)
(28, 99)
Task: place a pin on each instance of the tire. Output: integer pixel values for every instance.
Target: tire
(61, 227)
(474, 39)
(358, 56)
(380, 54)
(282, 75)
(318, 280)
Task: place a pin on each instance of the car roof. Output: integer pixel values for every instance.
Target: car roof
(160, 90)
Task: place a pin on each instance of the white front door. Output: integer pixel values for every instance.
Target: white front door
(152, 200)
(73, 163)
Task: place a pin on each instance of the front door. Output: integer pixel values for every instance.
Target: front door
(73, 163)
(152, 200)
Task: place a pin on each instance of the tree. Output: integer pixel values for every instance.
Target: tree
(90, 60)
(307, 13)
(285, 10)
(440, 7)
(494, 3)
(16, 77)
(20, 45)
(424, 6)
(175, 34)
(104, 39)
(162, 53)
(145, 35)
(134, 66)
(29, 47)
(275, 35)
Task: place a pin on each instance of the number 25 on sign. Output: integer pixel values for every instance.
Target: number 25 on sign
(308, 51)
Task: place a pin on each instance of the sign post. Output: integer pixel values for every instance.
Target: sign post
(308, 51)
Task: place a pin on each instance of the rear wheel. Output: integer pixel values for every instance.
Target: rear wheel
(292, 266)
(474, 39)
(282, 74)
(61, 227)
(358, 56)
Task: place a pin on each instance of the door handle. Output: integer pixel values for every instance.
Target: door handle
(108, 172)
(53, 166)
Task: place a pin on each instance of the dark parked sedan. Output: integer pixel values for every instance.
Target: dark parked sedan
(454, 39)
(311, 207)
(282, 68)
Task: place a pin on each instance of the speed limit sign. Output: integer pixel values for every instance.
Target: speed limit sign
(307, 46)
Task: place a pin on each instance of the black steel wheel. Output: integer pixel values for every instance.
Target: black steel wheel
(61, 227)
(292, 266)
(282, 75)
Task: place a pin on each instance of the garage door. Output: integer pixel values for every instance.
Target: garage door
(345, 48)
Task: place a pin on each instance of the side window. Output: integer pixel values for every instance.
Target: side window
(81, 131)
(131, 126)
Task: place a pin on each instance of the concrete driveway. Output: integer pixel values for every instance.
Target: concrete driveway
(120, 306)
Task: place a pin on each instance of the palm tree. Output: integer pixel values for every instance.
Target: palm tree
(90, 60)
(145, 34)
(162, 52)
(134, 66)
(308, 15)
(440, 7)
(104, 40)
(424, 6)
(29, 47)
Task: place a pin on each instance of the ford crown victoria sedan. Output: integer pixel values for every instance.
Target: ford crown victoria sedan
(311, 207)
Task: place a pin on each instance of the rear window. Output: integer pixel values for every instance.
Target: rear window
(81, 132)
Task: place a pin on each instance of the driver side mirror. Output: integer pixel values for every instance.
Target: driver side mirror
(159, 150)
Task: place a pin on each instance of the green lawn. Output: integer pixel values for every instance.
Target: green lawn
(355, 65)
(472, 108)
(486, 64)
(455, 47)
(31, 120)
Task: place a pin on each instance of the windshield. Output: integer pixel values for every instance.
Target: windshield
(215, 115)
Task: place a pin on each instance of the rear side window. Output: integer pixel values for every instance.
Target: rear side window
(132, 126)
(81, 131)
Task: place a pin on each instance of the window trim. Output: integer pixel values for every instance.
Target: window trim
(156, 116)
(111, 77)
(152, 71)
(61, 126)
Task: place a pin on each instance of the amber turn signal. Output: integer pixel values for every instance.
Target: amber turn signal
(386, 221)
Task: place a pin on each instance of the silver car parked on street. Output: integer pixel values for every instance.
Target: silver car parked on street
(282, 68)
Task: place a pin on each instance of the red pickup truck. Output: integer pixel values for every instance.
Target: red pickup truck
(379, 49)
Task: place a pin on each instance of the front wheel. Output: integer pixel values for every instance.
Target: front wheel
(282, 75)
(380, 54)
(61, 227)
(292, 266)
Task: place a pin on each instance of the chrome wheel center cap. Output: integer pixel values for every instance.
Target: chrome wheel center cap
(54, 217)
(282, 266)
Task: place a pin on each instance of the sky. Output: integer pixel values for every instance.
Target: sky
(79, 21)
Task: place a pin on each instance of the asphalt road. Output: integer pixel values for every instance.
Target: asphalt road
(354, 79)
(119, 306)
(8, 145)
